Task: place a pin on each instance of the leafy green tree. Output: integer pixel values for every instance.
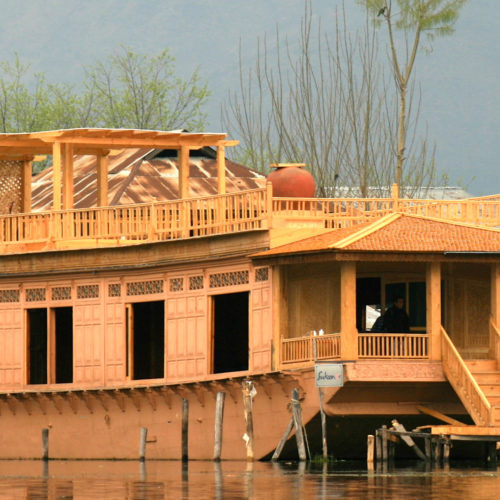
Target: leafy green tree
(413, 19)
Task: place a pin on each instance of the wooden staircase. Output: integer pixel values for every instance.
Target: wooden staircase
(487, 375)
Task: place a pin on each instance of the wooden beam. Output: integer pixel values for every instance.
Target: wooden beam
(68, 190)
(183, 172)
(348, 331)
(26, 186)
(56, 175)
(439, 415)
(221, 170)
(102, 180)
(433, 305)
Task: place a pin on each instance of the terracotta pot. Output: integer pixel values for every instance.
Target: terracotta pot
(290, 180)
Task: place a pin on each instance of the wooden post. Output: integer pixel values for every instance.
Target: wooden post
(321, 407)
(378, 445)
(102, 180)
(433, 304)
(221, 170)
(247, 406)
(68, 190)
(269, 204)
(446, 451)
(142, 443)
(45, 444)
(281, 444)
(385, 454)
(428, 449)
(219, 417)
(297, 421)
(408, 439)
(437, 450)
(395, 197)
(495, 308)
(185, 417)
(348, 332)
(491, 453)
(183, 172)
(26, 174)
(277, 317)
(370, 450)
(56, 175)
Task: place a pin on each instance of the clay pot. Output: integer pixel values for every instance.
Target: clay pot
(290, 180)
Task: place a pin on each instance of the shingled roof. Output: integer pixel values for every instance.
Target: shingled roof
(397, 233)
(143, 176)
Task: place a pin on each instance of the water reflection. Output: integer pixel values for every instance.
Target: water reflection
(240, 480)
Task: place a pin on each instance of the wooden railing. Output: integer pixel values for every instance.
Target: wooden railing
(495, 340)
(301, 349)
(464, 383)
(393, 345)
(228, 213)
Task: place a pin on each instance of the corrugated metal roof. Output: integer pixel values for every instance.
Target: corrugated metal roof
(143, 176)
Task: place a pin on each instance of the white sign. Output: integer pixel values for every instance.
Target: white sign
(329, 375)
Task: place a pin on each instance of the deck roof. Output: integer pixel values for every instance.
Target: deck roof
(397, 233)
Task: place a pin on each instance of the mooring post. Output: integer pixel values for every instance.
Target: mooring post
(321, 407)
(370, 450)
(385, 454)
(446, 450)
(297, 421)
(378, 445)
(142, 443)
(428, 449)
(437, 450)
(185, 418)
(248, 391)
(219, 416)
(45, 444)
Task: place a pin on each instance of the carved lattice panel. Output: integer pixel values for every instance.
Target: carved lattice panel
(10, 186)
(177, 284)
(87, 291)
(61, 293)
(35, 294)
(228, 279)
(262, 274)
(145, 287)
(10, 295)
(196, 282)
(114, 290)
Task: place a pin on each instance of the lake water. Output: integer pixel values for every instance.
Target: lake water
(239, 480)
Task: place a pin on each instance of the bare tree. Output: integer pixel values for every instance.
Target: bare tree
(325, 103)
(413, 18)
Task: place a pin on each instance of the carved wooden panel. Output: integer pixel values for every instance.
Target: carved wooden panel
(10, 186)
(36, 294)
(11, 346)
(61, 293)
(114, 290)
(196, 282)
(231, 278)
(262, 274)
(145, 287)
(13, 295)
(114, 342)
(260, 329)
(176, 284)
(87, 291)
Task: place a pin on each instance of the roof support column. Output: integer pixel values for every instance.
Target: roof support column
(221, 169)
(102, 180)
(279, 316)
(56, 175)
(184, 172)
(495, 311)
(348, 331)
(433, 305)
(26, 174)
(68, 190)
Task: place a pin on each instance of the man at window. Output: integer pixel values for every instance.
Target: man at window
(395, 318)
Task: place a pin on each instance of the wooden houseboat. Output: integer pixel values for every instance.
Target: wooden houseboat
(128, 285)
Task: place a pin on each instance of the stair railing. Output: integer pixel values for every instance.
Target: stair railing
(464, 383)
(495, 340)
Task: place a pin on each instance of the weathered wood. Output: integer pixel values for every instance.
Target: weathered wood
(321, 406)
(185, 420)
(446, 450)
(142, 443)
(433, 296)
(466, 430)
(378, 445)
(437, 450)
(297, 421)
(385, 453)
(408, 440)
(247, 406)
(219, 417)
(45, 444)
(438, 415)
(370, 449)
(281, 444)
(428, 449)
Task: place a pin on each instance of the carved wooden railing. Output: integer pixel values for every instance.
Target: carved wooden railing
(228, 213)
(393, 345)
(301, 349)
(495, 340)
(464, 383)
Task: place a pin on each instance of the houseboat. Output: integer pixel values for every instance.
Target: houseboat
(142, 271)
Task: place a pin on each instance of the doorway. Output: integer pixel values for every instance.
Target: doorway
(63, 336)
(37, 346)
(230, 332)
(146, 340)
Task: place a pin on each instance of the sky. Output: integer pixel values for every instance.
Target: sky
(459, 79)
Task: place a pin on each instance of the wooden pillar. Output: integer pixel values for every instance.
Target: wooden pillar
(102, 180)
(277, 318)
(495, 307)
(348, 331)
(183, 172)
(221, 170)
(26, 174)
(56, 175)
(433, 302)
(67, 164)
